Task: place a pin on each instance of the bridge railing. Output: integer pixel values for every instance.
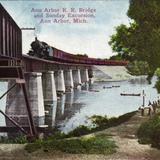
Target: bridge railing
(10, 62)
(10, 36)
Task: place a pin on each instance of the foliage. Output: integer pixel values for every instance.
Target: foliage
(86, 145)
(140, 40)
(104, 122)
(80, 130)
(138, 68)
(157, 72)
(116, 57)
(157, 85)
(120, 41)
(149, 132)
(18, 140)
(100, 123)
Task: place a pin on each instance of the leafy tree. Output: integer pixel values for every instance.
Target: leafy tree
(141, 39)
(120, 42)
(146, 14)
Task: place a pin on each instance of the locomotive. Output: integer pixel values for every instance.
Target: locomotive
(40, 49)
(43, 50)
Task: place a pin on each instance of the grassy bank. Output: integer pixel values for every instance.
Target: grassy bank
(94, 146)
(100, 123)
(98, 144)
(85, 145)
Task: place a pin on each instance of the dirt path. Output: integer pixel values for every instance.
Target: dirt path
(124, 135)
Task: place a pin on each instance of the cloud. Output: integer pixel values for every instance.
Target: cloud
(91, 38)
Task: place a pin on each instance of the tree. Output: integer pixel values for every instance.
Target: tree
(141, 39)
(121, 41)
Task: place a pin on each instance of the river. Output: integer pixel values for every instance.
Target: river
(73, 109)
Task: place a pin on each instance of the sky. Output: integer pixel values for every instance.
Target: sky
(89, 38)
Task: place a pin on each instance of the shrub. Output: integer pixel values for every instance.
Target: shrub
(81, 130)
(149, 132)
(104, 122)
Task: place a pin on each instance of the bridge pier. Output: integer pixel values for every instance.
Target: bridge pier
(68, 80)
(49, 88)
(84, 76)
(59, 79)
(36, 94)
(15, 105)
(76, 78)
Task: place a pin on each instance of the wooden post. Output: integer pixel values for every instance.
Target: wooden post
(143, 99)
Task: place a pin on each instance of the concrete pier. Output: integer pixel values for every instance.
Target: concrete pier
(68, 77)
(76, 78)
(84, 76)
(59, 80)
(49, 88)
(36, 99)
(15, 105)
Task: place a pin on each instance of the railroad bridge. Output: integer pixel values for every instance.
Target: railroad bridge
(33, 82)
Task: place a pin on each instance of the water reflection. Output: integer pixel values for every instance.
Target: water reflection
(67, 106)
(60, 107)
(50, 118)
(85, 87)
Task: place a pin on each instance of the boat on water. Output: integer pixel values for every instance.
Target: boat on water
(92, 90)
(105, 87)
(115, 86)
(130, 94)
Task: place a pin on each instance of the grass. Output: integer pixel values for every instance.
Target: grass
(17, 140)
(101, 123)
(83, 145)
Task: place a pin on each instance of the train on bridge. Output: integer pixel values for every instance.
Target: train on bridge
(43, 50)
(11, 47)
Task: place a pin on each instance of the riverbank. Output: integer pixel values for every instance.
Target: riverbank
(124, 135)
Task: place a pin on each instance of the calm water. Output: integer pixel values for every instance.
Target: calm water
(73, 109)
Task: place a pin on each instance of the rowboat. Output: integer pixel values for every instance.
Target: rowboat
(130, 94)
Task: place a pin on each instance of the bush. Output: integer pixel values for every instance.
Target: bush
(104, 122)
(89, 145)
(81, 130)
(149, 132)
